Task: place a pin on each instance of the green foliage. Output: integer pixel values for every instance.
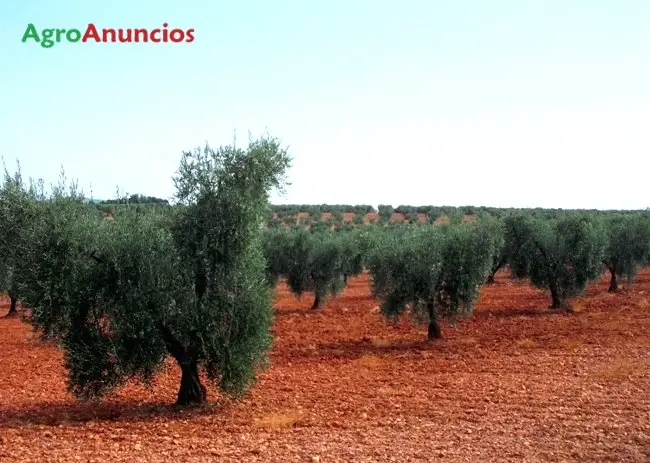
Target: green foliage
(310, 262)
(385, 212)
(337, 217)
(354, 244)
(434, 271)
(135, 199)
(628, 246)
(516, 235)
(320, 226)
(187, 282)
(561, 254)
(275, 245)
(412, 217)
(17, 211)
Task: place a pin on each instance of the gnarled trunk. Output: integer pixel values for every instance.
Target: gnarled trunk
(557, 302)
(12, 308)
(613, 283)
(433, 331)
(493, 272)
(316, 304)
(191, 390)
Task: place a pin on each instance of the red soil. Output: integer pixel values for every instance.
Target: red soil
(512, 383)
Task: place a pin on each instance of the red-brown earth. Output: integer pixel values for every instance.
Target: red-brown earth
(512, 383)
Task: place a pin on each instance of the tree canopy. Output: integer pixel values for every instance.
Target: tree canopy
(123, 295)
(561, 254)
(436, 272)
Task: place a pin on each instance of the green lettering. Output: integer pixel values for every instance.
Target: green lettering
(31, 33)
(73, 35)
(47, 38)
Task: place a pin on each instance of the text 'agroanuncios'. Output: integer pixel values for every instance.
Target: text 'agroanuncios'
(47, 38)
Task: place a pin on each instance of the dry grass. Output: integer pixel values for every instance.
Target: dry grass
(278, 420)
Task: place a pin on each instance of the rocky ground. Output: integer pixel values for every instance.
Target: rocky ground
(513, 383)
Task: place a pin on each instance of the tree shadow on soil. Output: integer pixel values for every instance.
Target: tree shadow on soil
(48, 414)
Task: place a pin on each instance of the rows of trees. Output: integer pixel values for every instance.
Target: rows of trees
(334, 217)
(435, 272)
(194, 280)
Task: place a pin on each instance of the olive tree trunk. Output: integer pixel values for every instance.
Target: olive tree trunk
(613, 283)
(557, 301)
(316, 304)
(12, 307)
(433, 331)
(191, 390)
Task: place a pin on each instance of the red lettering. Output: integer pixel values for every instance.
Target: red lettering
(121, 35)
(141, 35)
(177, 35)
(91, 33)
(106, 32)
(190, 35)
(153, 34)
(165, 33)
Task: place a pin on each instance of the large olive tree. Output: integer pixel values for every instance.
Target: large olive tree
(186, 282)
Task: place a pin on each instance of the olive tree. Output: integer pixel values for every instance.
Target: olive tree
(315, 263)
(515, 237)
(435, 271)
(561, 254)
(275, 244)
(189, 282)
(17, 203)
(627, 247)
(353, 252)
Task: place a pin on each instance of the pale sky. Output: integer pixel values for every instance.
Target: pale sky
(503, 103)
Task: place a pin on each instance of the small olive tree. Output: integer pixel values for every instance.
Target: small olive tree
(561, 254)
(354, 249)
(627, 248)
(435, 271)
(515, 237)
(275, 245)
(315, 263)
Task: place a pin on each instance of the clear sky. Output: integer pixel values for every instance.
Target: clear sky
(535, 103)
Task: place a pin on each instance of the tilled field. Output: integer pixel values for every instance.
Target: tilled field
(513, 383)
